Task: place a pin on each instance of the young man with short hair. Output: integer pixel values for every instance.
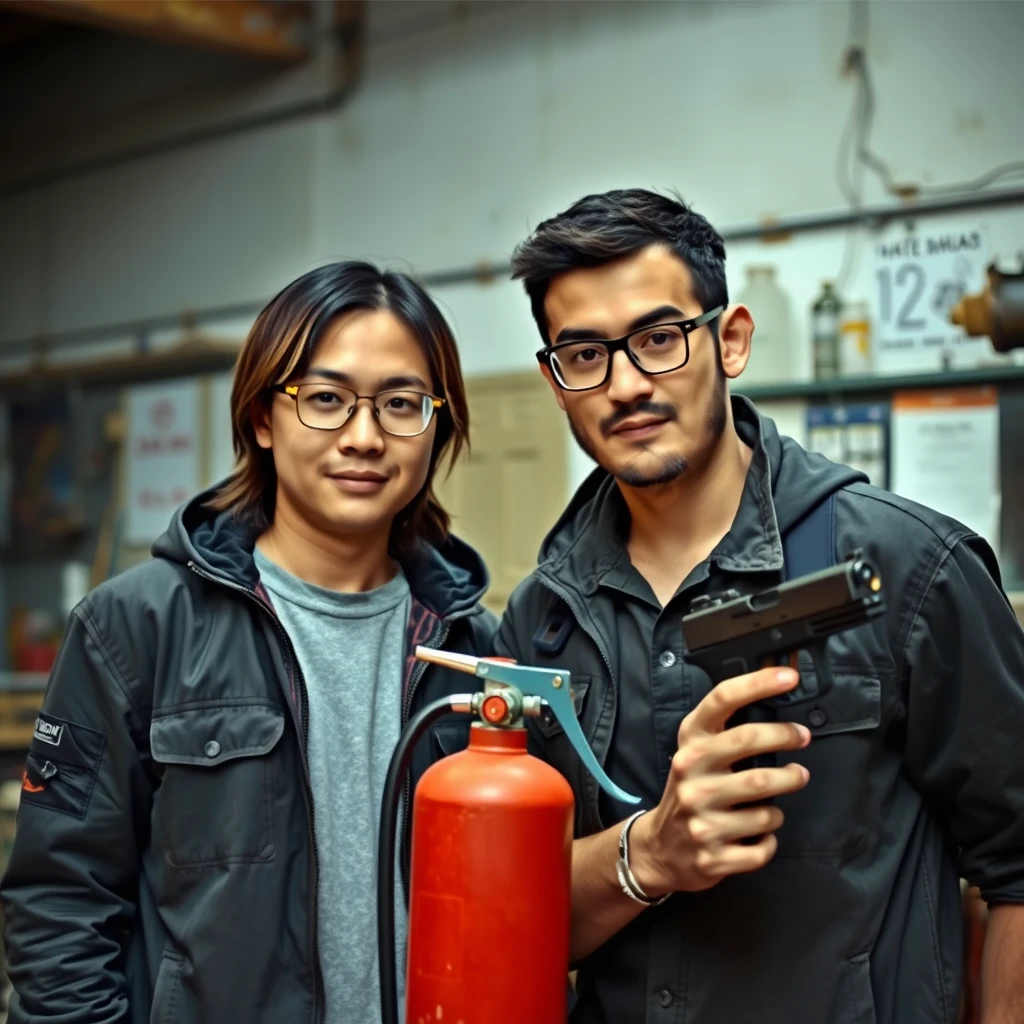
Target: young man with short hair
(836, 902)
(198, 845)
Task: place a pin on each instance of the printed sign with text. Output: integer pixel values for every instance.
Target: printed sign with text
(918, 279)
(162, 469)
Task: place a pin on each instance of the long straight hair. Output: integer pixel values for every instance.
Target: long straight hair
(279, 348)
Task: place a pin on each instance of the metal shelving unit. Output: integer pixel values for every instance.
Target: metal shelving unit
(844, 387)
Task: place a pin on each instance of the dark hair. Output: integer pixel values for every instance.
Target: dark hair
(598, 229)
(279, 348)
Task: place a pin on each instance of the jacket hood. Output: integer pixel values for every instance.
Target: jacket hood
(799, 480)
(448, 579)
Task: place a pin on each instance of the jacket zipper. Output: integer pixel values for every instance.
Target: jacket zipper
(435, 641)
(319, 1007)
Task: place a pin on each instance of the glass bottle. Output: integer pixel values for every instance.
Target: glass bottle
(825, 315)
(855, 340)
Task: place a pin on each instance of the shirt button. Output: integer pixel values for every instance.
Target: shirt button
(212, 748)
(665, 997)
(817, 718)
(667, 659)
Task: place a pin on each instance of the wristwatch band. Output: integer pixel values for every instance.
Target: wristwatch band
(629, 884)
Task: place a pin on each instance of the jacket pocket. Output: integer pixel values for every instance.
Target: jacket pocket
(859, 996)
(829, 817)
(166, 992)
(214, 804)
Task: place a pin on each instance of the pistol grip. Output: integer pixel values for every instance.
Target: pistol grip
(755, 713)
(821, 667)
(760, 712)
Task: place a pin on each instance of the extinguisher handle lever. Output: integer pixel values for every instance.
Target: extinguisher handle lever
(561, 703)
(552, 685)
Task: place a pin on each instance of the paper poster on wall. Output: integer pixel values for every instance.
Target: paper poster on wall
(918, 279)
(945, 454)
(854, 435)
(162, 455)
(45, 504)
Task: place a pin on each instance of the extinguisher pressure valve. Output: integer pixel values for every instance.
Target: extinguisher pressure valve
(512, 691)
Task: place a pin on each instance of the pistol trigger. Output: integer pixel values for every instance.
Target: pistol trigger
(822, 668)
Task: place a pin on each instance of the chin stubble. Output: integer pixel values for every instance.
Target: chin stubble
(672, 465)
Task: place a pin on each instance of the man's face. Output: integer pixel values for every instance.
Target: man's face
(643, 429)
(356, 478)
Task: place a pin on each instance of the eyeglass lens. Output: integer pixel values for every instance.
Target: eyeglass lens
(328, 407)
(656, 350)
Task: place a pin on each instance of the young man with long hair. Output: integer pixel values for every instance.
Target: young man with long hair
(197, 836)
(821, 888)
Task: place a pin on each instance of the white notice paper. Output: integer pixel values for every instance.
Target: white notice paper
(945, 454)
(918, 280)
(162, 468)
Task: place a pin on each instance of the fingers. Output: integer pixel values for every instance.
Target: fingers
(703, 793)
(716, 828)
(757, 784)
(734, 859)
(755, 738)
(716, 753)
(712, 713)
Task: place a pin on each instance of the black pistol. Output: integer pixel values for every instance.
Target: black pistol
(732, 635)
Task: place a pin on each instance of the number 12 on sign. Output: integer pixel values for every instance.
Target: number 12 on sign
(918, 279)
(910, 283)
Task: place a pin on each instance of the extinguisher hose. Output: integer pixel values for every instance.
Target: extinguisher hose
(386, 951)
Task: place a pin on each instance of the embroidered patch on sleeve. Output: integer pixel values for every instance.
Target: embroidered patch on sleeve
(63, 761)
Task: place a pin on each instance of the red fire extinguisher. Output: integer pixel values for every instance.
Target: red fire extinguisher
(489, 884)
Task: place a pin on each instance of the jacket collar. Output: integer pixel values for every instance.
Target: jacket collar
(447, 580)
(589, 541)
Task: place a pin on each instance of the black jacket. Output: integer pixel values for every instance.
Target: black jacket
(164, 866)
(916, 765)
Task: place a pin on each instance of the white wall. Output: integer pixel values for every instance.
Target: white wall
(465, 133)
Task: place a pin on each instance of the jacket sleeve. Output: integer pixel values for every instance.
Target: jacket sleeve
(965, 717)
(69, 891)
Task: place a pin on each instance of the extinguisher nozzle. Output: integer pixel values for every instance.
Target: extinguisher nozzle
(449, 659)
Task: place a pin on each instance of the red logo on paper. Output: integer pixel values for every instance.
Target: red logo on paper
(161, 413)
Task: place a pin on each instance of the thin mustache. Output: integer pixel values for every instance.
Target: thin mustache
(662, 409)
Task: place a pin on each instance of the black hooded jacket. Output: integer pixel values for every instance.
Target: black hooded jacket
(916, 764)
(164, 867)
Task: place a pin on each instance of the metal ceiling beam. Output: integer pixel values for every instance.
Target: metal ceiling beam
(255, 28)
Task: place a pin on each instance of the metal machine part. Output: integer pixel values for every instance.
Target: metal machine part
(997, 312)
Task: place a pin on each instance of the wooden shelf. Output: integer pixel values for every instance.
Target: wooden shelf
(845, 387)
(194, 357)
(22, 682)
(255, 28)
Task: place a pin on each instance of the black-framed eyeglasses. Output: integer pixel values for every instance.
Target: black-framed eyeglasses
(661, 348)
(401, 412)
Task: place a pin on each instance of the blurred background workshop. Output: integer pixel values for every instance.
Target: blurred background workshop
(167, 165)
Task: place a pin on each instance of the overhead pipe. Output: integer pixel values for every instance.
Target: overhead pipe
(872, 216)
